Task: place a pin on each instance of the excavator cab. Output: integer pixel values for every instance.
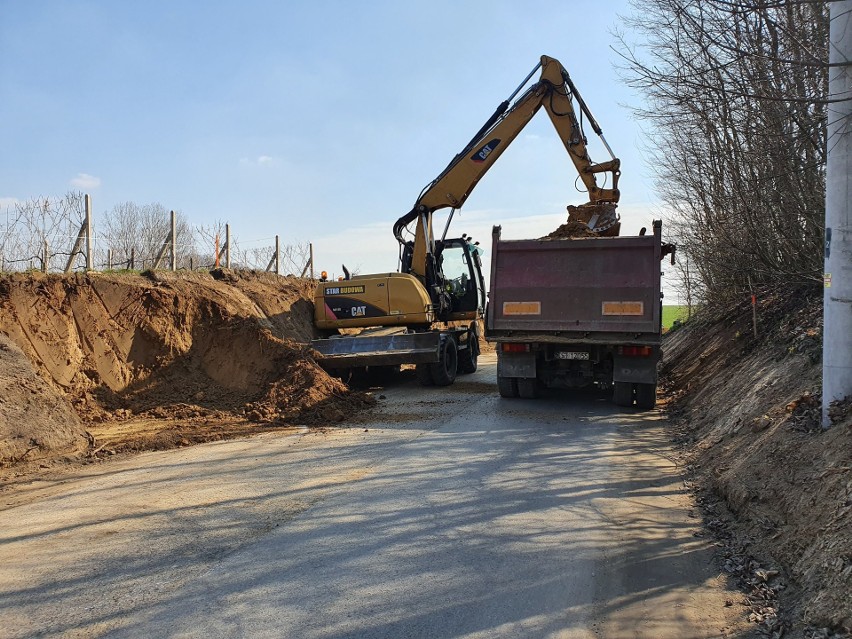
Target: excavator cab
(461, 267)
(458, 288)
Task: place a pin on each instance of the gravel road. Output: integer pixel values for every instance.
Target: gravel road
(451, 513)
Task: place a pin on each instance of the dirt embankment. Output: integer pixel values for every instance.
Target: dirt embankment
(157, 360)
(776, 488)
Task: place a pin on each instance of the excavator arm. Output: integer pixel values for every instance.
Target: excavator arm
(556, 93)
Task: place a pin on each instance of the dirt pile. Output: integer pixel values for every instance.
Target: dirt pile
(581, 218)
(197, 348)
(776, 488)
(25, 400)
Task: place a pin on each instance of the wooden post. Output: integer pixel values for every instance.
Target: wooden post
(161, 252)
(133, 258)
(46, 263)
(753, 307)
(191, 263)
(76, 248)
(88, 225)
(174, 242)
(274, 261)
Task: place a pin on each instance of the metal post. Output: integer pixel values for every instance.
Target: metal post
(227, 246)
(174, 242)
(88, 233)
(837, 292)
(277, 256)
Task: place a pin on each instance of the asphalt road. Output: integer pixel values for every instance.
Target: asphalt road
(454, 513)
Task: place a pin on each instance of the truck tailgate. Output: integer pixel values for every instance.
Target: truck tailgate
(598, 285)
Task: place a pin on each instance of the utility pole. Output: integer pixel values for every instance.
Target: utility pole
(837, 298)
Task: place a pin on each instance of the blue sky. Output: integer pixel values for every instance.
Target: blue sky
(319, 121)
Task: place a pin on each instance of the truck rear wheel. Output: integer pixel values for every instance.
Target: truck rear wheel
(622, 393)
(646, 396)
(444, 371)
(507, 386)
(527, 388)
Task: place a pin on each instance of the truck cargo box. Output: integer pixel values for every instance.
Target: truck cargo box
(595, 288)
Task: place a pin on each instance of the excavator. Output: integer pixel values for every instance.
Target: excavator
(427, 313)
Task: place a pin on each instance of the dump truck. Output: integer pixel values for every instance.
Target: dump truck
(577, 312)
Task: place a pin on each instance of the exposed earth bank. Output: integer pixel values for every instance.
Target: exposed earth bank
(157, 360)
(776, 488)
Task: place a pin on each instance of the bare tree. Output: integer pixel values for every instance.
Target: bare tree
(736, 97)
(140, 231)
(37, 223)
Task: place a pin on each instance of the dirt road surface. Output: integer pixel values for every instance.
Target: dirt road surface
(451, 513)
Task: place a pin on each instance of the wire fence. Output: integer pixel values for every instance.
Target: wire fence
(61, 235)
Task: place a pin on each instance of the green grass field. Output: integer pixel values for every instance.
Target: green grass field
(671, 313)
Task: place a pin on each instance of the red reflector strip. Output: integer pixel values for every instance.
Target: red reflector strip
(507, 347)
(635, 351)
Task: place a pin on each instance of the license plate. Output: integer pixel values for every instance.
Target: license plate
(572, 355)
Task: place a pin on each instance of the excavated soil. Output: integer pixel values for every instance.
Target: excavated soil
(775, 487)
(157, 360)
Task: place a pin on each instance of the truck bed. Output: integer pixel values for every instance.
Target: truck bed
(594, 289)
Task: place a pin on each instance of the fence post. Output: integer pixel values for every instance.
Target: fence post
(274, 261)
(174, 242)
(85, 232)
(166, 243)
(46, 262)
(88, 233)
(311, 245)
(133, 258)
(227, 246)
(109, 259)
(277, 256)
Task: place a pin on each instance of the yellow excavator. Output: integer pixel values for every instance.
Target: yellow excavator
(427, 314)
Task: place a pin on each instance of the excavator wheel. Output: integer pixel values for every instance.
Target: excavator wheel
(424, 374)
(469, 356)
(444, 371)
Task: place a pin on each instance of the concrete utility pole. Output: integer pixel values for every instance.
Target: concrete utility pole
(837, 300)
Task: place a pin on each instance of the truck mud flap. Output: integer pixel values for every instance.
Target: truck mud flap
(378, 350)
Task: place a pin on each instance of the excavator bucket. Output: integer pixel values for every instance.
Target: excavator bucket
(378, 349)
(600, 218)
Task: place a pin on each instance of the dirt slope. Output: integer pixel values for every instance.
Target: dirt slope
(777, 490)
(179, 355)
(34, 417)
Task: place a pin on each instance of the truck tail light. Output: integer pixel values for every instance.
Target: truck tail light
(635, 351)
(508, 347)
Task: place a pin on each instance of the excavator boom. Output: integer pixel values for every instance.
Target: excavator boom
(556, 93)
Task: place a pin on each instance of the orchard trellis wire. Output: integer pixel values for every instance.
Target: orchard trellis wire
(61, 235)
